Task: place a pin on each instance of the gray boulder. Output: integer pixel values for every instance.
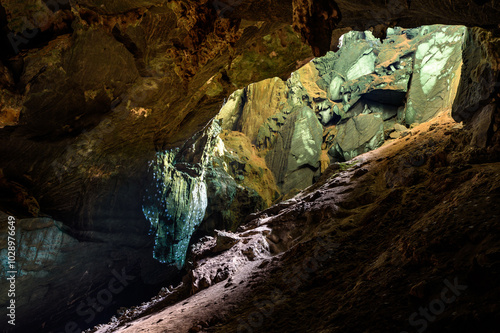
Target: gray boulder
(436, 74)
(225, 240)
(358, 135)
(295, 156)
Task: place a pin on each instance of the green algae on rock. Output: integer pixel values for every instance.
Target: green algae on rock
(176, 201)
(201, 182)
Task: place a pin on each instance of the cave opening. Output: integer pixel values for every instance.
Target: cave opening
(361, 175)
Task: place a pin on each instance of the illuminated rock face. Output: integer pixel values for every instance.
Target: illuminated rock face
(406, 79)
(362, 133)
(366, 69)
(200, 182)
(273, 138)
(295, 157)
(176, 209)
(436, 74)
(175, 204)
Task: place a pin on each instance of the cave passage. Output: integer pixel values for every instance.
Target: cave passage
(275, 138)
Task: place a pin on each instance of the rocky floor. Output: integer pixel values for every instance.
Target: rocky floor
(404, 239)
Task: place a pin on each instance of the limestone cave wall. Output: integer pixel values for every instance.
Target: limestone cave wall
(93, 92)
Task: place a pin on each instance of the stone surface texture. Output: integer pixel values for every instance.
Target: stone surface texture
(97, 95)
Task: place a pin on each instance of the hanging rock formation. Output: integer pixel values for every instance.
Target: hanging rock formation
(199, 182)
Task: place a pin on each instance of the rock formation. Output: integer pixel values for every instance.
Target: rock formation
(87, 100)
(343, 104)
(371, 246)
(95, 97)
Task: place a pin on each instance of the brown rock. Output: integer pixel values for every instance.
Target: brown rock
(479, 74)
(481, 124)
(399, 128)
(324, 160)
(264, 99)
(419, 290)
(395, 135)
